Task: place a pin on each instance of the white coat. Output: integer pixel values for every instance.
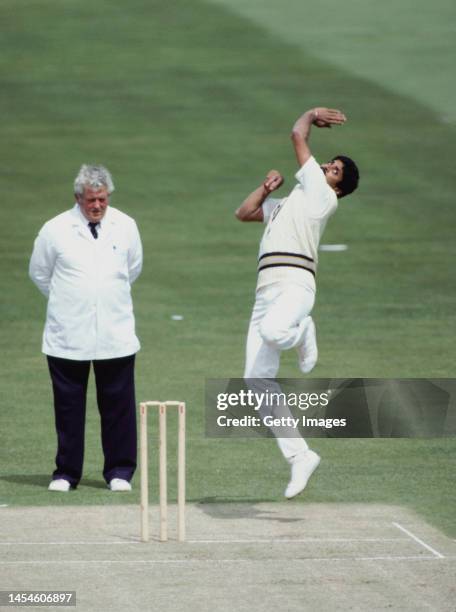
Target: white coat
(88, 282)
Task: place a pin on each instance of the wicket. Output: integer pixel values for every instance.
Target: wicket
(162, 411)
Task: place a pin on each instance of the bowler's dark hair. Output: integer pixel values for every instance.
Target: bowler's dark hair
(350, 178)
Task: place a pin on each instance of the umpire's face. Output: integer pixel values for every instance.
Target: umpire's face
(93, 203)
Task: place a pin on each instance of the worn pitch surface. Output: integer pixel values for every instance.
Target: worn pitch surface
(237, 557)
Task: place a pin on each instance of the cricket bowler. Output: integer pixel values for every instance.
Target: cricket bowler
(287, 268)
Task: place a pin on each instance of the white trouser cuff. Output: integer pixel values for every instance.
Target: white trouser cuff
(290, 447)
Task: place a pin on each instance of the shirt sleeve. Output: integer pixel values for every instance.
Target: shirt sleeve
(312, 180)
(268, 207)
(43, 261)
(135, 254)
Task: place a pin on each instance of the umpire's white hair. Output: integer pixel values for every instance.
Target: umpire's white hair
(94, 177)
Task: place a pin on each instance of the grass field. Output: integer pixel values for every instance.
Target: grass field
(189, 104)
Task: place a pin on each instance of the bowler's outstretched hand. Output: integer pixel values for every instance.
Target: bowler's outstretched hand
(326, 117)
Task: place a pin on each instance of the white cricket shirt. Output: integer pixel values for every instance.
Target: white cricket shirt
(88, 285)
(295, 224)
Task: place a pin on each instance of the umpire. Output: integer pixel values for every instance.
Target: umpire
(84, 261)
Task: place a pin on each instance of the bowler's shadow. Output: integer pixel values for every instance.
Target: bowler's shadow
(229, 508)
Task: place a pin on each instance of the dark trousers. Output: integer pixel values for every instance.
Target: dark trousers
(114, 380)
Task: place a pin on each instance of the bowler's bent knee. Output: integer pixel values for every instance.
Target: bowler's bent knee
(276, 335)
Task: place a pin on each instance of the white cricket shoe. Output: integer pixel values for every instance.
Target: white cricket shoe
(119, 484)
(308, 350)
(302, 469)
(59, 484)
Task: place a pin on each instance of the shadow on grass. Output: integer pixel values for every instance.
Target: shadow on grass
(34, 480)
(94, 484)
(229, 508)
(43, 480)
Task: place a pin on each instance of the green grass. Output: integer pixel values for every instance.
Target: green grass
(406, 47)
(189, 105)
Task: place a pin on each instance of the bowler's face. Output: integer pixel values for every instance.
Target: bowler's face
(334, 171)
(93, 203)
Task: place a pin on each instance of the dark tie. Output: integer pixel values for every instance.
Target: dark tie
(93, 229)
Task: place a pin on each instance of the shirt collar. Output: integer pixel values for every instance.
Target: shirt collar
(85, 221)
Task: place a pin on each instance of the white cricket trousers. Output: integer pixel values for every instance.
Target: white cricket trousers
(277, 324)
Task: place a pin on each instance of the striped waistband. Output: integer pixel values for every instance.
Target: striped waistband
(279, 259)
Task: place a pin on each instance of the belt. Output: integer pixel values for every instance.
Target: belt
(279, 259)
